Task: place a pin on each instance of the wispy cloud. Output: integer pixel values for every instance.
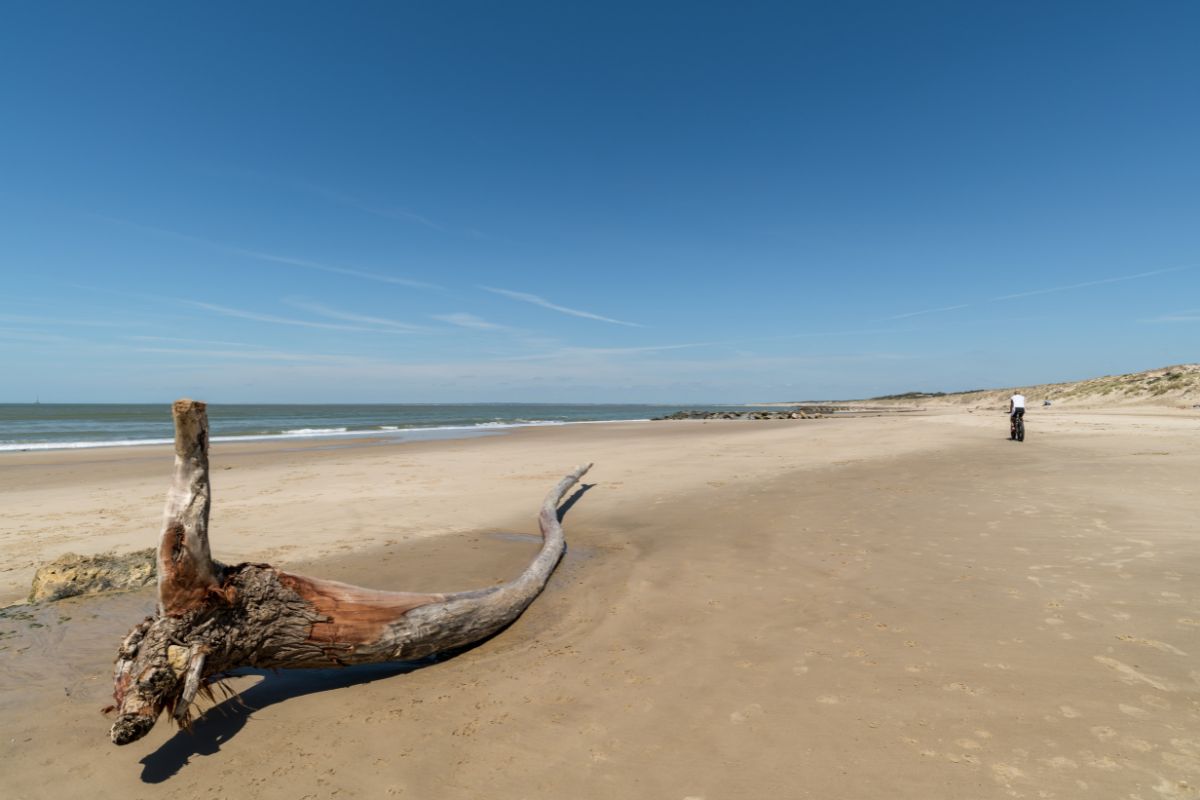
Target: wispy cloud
(388, 212)
(1088, 283)
(17, 334)
(1035, 292)
(256, 355)
(345, 199)
(240, 351)
(37, 320)
(464, 320)
(823, 334)
(569, 352)
(348, 316)
(927, 311)
(303, 323)
(182, 340)
(316, 265)
(276, 258)
(1192, 315)
(544, 303)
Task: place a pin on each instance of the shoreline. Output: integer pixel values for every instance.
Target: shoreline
(386, 434)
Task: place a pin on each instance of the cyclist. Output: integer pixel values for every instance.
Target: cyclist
(1016, 408)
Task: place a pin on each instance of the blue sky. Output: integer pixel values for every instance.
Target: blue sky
(675, 202)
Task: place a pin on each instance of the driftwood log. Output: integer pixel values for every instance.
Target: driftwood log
(213, 618)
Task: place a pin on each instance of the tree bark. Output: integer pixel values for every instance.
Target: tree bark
(212, 618)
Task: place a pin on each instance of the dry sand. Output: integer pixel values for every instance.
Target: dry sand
(893, 606)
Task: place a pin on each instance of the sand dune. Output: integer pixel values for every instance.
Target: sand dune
(1172, 387)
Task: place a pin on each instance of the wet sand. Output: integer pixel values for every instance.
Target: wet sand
(887, 606)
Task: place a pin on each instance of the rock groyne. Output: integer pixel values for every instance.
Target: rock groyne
(799, 412)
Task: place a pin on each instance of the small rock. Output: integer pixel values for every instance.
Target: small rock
(71, 575)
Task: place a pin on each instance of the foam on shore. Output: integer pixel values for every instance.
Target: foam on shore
(392, 432)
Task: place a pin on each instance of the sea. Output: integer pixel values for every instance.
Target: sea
(54, 426)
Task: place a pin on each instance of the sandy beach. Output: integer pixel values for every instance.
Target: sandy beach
(883, 606)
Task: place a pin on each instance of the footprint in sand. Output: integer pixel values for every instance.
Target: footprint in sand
(959, 686)
(1157, 645)
(1189, 746)
(1099, 762)
(1004, 773)
(962, 758)
(1156, 702)
(1182, 762)
(1140, 745)
(749, 712)
(1132, 675)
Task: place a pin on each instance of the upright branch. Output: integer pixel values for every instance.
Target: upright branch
(213, 618)
(186, 572)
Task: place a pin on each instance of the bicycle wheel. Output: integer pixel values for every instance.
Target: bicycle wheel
(1020, 429)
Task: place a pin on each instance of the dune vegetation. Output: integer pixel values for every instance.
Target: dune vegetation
(1177, 386)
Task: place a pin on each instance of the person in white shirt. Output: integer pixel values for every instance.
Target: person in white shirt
(1016, 408)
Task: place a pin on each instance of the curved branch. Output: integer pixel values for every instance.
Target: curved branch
(365, 626)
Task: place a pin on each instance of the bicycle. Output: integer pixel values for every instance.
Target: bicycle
(1016, 425)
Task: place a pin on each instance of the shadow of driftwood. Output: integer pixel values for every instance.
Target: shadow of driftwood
(223, 721)
(573, 499)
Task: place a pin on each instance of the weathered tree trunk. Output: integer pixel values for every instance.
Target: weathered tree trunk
(213, 618)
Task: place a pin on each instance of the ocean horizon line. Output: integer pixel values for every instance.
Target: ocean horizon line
(61, 426)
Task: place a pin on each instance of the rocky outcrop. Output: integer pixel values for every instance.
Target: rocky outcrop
(801, 412)
(71, 575)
